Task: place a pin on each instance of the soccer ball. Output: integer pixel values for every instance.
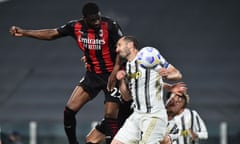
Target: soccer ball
(149, 57)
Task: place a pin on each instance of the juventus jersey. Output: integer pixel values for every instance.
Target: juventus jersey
(190, 119)
(172, 129)
(146, 87)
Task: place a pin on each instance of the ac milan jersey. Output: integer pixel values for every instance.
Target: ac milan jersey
(98, 45)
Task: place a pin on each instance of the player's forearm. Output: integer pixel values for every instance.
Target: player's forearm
(167, 86)
(117, 66)
(170, 73)
(44, 34)
(174, 76)
(124, 91)
(173, 73)
(112, 78)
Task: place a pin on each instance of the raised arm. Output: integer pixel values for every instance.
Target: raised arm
(43, 34)
(170, 73)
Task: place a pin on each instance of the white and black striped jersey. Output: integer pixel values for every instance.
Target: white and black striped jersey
(173, 130)
(190, 119)
(146, 87)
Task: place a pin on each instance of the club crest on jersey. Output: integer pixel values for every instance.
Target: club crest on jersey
(135, 75)
(101, 33)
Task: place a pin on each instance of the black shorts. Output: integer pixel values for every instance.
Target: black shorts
(93, 83)
(125, 111)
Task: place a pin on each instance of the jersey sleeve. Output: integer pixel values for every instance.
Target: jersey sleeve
(163, 63)
(67, 29)
(199, 126)
(115, 31)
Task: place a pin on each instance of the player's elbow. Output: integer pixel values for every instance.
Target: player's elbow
(176, 76)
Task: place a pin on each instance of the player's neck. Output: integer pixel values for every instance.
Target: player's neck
(132, 55)
(181, 111)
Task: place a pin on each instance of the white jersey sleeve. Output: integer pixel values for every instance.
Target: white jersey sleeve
(199, 126)
(163, 63)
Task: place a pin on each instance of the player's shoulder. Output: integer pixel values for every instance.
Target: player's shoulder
(109, 20)
(106, 18)
(187, 111)
(74, 21)
(195, 112)
(191, 111)
(71, 23)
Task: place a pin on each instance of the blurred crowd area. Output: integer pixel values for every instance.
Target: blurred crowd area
(14, 137)
(49, 133)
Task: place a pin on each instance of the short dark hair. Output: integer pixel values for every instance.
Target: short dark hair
(90, 9)
(131, 39)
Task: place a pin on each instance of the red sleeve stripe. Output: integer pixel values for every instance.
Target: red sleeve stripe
(77, 31)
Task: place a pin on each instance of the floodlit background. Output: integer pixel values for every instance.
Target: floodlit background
(201, 38)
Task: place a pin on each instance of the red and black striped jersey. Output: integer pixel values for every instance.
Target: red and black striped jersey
(98, 45)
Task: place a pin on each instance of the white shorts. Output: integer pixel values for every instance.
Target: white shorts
(142, 128)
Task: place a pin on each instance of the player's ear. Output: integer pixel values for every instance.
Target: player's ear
(130, 44)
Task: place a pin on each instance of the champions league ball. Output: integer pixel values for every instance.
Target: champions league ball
(149, 57)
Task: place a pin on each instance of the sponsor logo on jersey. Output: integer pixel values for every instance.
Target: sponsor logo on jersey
(92, 43)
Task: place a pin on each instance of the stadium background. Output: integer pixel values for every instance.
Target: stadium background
(202, 38)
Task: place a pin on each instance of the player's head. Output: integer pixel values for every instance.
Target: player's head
(177, 102)
(125, 45)
(131, 39)
(91, 15)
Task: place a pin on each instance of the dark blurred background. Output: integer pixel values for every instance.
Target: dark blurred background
(201, 38)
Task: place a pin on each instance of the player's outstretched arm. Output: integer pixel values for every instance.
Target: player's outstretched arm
(170, 73)
(178, 88)
(43, 34)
